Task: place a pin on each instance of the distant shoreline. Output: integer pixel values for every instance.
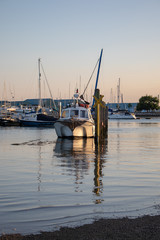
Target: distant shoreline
(146, 227)
(147, 114)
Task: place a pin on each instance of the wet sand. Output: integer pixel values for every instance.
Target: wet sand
(147, 227)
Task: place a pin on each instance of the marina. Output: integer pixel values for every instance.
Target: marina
(47, 182)
(79, 141)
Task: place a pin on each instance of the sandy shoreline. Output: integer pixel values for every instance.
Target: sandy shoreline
(147, 227)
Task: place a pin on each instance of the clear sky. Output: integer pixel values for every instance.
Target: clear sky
(68, 36)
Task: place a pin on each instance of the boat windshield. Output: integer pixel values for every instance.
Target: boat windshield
(83, 114)
(74, 113)
(65, 114)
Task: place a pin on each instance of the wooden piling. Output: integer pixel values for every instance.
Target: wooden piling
(101, 116)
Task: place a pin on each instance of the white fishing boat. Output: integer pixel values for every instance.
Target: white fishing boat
(75, 121)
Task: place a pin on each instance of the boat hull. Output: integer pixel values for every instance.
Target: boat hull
(72, 128)
(36, 123)
(38, 120)
(4, 122)
(121, 116)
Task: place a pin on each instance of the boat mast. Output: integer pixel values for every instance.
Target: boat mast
(40, 100)
(118, 92)
(97, 75)
(48, 87)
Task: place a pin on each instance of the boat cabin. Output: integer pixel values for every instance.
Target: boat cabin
(80, 113)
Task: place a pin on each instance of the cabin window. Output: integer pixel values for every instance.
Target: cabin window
(74, 113)
(65, 114)
(83, 114)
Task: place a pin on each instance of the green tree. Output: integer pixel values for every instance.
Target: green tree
(148, 103)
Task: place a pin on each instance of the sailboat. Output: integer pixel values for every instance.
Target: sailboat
(43, 117)
(120, 113)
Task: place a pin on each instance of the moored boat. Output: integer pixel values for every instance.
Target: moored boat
(9, 121)
(43, 117)
(38, 119)
(121, 114)
(75, 121)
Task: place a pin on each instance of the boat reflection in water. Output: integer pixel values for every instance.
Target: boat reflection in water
(77, 147)
(80, 156)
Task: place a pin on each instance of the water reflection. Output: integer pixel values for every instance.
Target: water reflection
(100, 158)
(39, 175)
(77, 149)
(77, 155)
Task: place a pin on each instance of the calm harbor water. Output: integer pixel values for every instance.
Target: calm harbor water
(47, 182)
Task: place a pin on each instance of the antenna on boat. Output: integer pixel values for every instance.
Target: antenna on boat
(80, 84)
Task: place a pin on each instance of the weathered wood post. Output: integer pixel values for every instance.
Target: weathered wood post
(101, 130)
(101, 116)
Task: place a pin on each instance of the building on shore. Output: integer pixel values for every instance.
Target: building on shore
(48, 102)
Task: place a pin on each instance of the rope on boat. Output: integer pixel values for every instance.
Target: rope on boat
(48, 86)
(89, 79)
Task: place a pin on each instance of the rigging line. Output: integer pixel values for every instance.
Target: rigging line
(90, 77)
(48, 86)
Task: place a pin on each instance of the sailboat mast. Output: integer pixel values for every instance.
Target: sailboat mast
(40, 100)
(118, 92)
(97, 75)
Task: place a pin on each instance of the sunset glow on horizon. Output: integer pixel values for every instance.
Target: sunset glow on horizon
(68, 37)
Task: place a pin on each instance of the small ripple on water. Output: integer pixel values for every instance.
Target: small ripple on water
(36, 142)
